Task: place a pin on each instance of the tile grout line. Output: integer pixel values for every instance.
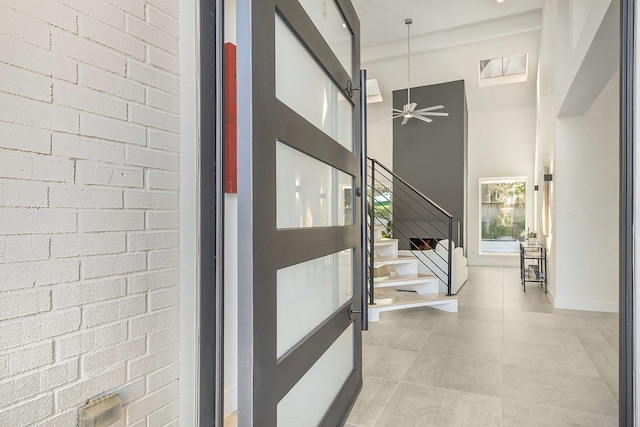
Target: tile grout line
(386, 403)
(532, 316)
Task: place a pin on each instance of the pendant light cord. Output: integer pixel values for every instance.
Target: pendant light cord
(408, 21)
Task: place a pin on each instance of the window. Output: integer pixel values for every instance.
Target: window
(502, 214)
(499, 71)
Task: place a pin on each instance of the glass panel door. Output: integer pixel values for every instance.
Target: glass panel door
(299, 218)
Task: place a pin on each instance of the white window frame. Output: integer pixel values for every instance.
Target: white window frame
(489, 180)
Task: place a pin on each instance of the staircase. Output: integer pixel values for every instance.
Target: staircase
(397, 284)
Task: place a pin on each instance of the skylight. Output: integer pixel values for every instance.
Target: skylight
(498, 71)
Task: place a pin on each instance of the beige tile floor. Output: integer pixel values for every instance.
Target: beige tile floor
(507, 358)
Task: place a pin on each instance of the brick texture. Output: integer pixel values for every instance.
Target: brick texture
(89, 209)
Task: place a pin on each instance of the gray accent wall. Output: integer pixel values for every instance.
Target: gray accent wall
(432, 157)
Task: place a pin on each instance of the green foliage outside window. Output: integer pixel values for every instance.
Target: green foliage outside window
(503, 210)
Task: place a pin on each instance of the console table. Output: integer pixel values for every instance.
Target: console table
(533, 264)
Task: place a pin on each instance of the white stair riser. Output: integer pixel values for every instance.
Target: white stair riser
(404, 268)
(377, 232)
(387, 249)
(428, 287)
(449, 305)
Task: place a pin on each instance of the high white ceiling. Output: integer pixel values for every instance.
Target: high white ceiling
(448, 38)
(382, 21)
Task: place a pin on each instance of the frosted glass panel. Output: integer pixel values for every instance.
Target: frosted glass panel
(310, 292)
(308, 401)
(306, 88)
(330, 23)
(310, 193)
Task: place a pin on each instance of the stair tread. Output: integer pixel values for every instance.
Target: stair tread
(384, 260)
(404, 278)
(386, 297)
(393, 258)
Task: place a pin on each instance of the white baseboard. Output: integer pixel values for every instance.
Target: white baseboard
(571, 304)
(494, 260)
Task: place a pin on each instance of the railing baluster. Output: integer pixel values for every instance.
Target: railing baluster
(372, 234)
(449, 258)
(437, 217)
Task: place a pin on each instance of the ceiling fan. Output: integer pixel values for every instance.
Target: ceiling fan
(409, 109)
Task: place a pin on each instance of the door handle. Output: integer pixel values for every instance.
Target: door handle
(364, 306)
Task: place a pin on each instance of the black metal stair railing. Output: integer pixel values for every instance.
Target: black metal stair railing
(409, 216)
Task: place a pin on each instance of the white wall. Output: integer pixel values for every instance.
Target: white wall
(508, 131)
(455, 63)
(579, 12)
(546, 131)
(189, 213)
(586, 182)
(560, 146)
(89, 209)
(501, 144)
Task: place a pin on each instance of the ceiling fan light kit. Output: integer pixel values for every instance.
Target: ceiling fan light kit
(409, 109)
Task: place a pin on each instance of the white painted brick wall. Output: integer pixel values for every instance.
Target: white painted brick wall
(108, 174)
(25, 303)
(164, 141)
(24, 248)
(24, 27)
(163, 22)
(89, 209)
(37, 59)
(104, 127)
(155, 402)
(25, 83)
(146, 365)
(23, 194)
(161, 180)
(84, 197)
(153, 280)
(170, 7)
(87, 341)
(153, 77)
(163, 259)
(111, 37)
(133, 7)
(112, 84)
(74, 96)
(162, 220)
(164, 60)
(25, 138)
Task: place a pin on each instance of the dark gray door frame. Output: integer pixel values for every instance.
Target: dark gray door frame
(211, 299)
(211, 364)
(265, 379)
(627, 83)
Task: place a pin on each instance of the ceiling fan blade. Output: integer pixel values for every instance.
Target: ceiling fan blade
(412, 107)
(393, 116)
(393, 109)
(404, 121)
(424, 119)
(427, 113)
(435, 107)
